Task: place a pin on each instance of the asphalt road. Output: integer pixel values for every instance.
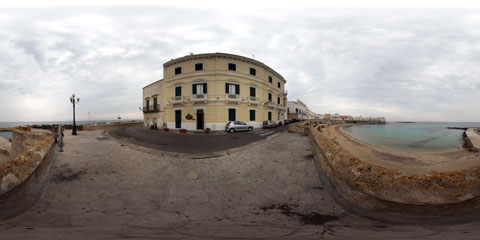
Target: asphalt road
(191, 142)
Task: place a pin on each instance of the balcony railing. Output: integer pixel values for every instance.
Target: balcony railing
(199, 97)
(281, 107)
(270, 104)
(254, 100)
(151, 108)
(176, 99)
(232, 97)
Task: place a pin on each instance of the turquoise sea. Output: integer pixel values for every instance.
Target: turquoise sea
(413, 137)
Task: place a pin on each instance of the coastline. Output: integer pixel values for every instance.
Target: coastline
(404, 161)
(346, 134)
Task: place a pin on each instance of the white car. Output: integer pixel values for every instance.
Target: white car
(235, 126)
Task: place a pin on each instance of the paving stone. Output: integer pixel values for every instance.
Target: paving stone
(159, 219)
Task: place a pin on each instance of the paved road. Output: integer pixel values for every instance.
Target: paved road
(101, 188)
(192, 143)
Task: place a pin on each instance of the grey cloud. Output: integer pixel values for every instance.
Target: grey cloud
(397, 63)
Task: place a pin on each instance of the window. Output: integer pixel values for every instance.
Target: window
(232, 67)
(253, 71)
(231, 88)
(269, 116)
(155, 103)
(278, 84)
(278, 100)
(270, 79)
(178, 70)
(199, 88)
(269, 98)
(252, 115)
(253, 92)
(198, 66)
(147, 104)
(178, 91)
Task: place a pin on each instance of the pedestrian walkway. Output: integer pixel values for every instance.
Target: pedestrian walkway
(264, 132)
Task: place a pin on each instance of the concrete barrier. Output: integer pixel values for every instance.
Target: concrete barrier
(22, 176)
(356, 179)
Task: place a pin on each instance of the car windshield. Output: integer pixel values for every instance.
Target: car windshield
(265, 122)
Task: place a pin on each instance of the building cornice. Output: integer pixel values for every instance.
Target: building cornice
(226, 56)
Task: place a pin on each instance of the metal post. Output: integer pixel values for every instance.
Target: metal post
(73, 101)
(60, 137)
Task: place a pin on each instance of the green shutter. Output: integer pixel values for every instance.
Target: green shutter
(231, 114)
(237, 89)
(252, 115)
(148, 105)
(194, 88)
(252, 92)
(226, 87)
(205, 88)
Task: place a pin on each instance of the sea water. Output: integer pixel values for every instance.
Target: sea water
(413, 137)
(6, 134)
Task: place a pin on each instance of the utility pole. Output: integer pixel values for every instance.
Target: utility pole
(74, 101)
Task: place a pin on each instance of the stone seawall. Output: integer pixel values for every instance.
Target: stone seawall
(93, 127)
(22, 175)
(375, 187)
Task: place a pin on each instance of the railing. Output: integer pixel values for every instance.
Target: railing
(151, 108)
(270, 104)
(176, 99)
(234, 97)
(254, 100)
(199, 97)
(279, 106)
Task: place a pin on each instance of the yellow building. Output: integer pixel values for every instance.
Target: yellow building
(208, 90)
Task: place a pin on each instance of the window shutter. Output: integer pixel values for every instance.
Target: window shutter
(194, 88)
(237, 89)
(205, 88)
(226, 87)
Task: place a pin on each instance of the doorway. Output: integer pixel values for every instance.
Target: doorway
(178, 118)
(200, 119)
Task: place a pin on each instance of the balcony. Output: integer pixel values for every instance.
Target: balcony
(281, 107)
(270, 104)
(254, 100)
(199, 97)
(176, 100)
(151, 108)
(232, 98)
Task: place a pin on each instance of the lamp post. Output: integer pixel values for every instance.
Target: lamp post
(74, 101)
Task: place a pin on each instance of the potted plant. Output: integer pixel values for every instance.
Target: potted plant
(207, 130)
(183, 130)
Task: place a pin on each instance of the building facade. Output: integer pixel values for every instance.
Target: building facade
(299, 110)
(208, 90)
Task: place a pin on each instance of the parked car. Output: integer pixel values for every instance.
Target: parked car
(235, 126)
(286, 121)
(269, 124)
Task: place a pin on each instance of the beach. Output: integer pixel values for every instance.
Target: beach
(403, 161)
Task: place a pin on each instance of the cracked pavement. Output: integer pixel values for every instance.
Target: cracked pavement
(104, 188)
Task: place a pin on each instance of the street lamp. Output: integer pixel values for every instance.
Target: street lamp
(73, 101)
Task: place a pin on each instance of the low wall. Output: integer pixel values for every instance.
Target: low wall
(21, 175)
(103, 126)
(355, 179)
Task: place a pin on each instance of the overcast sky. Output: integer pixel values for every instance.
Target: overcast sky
(401, 60)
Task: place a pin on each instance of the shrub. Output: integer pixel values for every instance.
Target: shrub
(319, 128)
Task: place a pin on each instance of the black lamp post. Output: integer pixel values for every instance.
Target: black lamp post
(73, 101)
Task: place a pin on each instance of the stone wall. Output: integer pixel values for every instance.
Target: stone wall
(103, 126)
(355, 179)
(31, 155)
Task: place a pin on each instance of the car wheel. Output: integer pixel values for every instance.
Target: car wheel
(231, 130)
(250, 129)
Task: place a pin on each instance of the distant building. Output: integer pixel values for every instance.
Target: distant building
(299, 110)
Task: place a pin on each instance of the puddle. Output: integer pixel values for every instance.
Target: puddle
(312, 218)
